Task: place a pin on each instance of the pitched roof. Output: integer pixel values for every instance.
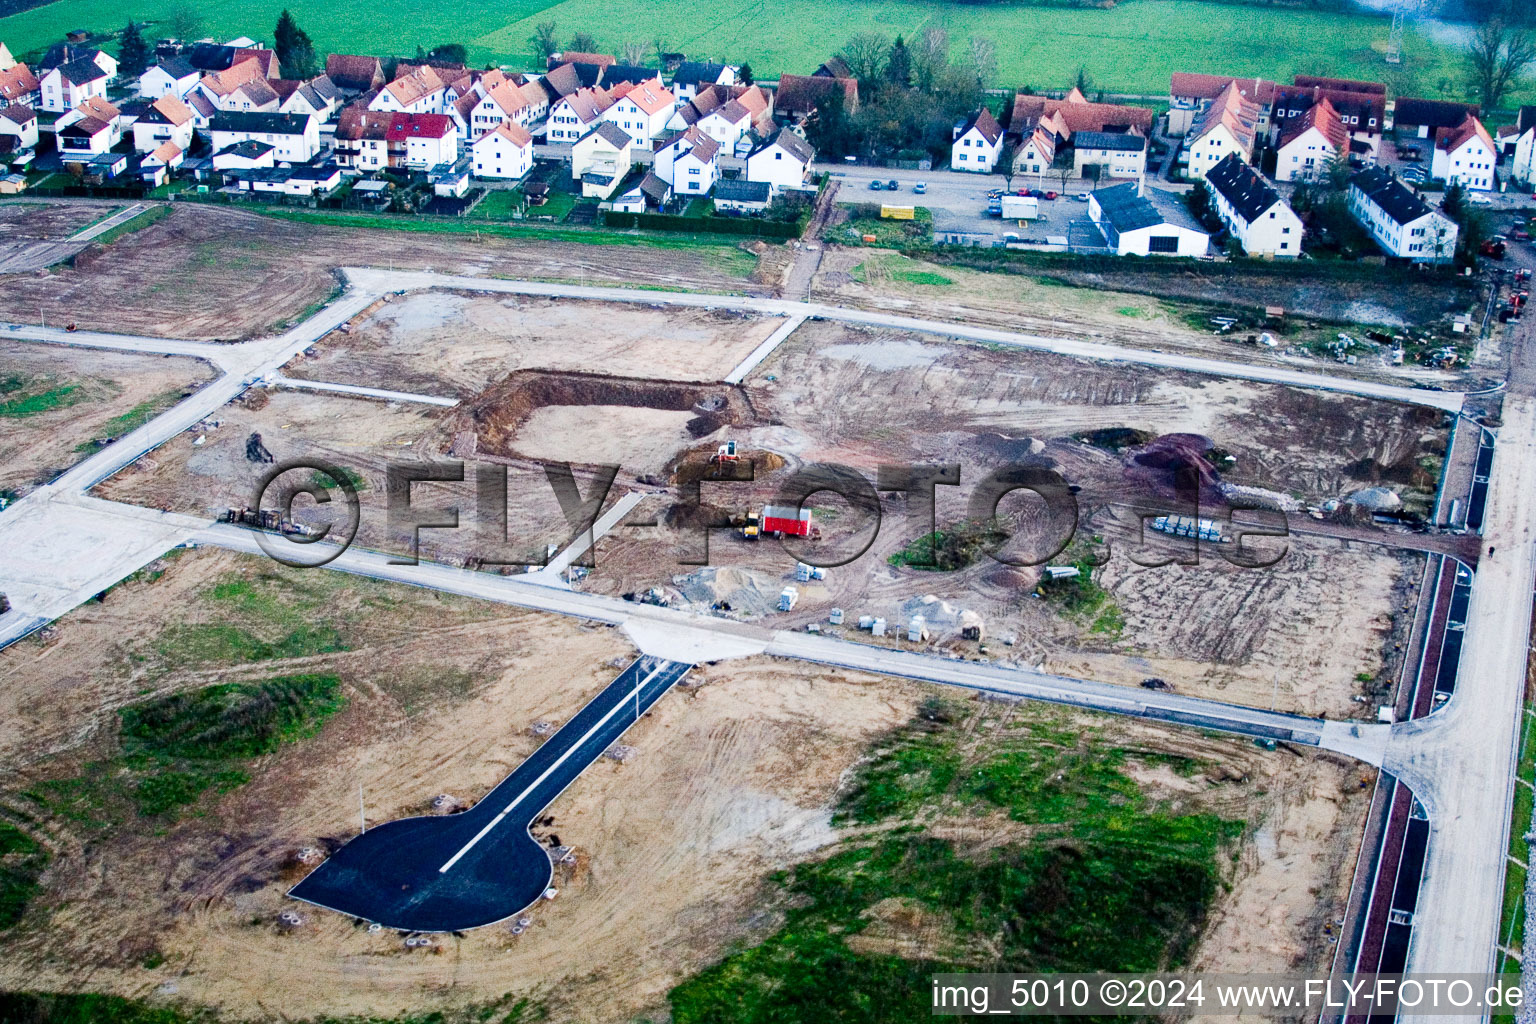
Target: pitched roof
(1240, 116)
(1207, 87)
(512, 132)
(167, 110)
(250, 149)
(17, 113)
(419, 126)
(613, 74)
(1432, 113)
(260, 123)
(354, 72)
(799, 95)
(82, 71)
(1366, 106)
(1028, 111)
(833, 67)
(1452, 139)
(1341, 84)
(201, 104)
(259, 91)
(696, 73)
(164, 153)
(175, 67)
(414, 85)
(701, 145)
(358, 122)
(589, 104)
(562, 81)
(788, 141)
(1395, 199)
(609, 133)
(19, 81)
(267, 59)
(1044, 140)
(1122, 142)
(100, 109)
(1325, 119)
(985, 125)
(651, 96)
(1241, 186)
(731, 112)
(86, 127)
(577, 57)
(654, 188)
(1127, 209)
(222, 83)
(1526, 118)
(743, 191)
(509, 99)
(210, 56)
(534, 93)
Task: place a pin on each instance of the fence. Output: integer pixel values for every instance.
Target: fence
(92, 191)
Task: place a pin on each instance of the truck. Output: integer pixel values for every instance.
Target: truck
(1020, 208)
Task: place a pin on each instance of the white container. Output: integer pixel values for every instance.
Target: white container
(877, 627)
(787, 598)
(835, 616)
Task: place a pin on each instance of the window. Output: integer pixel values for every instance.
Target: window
(1163, 243)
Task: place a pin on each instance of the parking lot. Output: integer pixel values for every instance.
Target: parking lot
(958, 201)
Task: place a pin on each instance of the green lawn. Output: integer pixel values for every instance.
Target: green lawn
(1131, 47)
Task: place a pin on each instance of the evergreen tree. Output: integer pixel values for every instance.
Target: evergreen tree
(133, 54)
(899, 67)
(744, 75)
(295, 51)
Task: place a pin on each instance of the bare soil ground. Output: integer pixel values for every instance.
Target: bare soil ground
(106, 386)
(215, 273)
(455, 344)
(736, 776)
(44, 221)
(1092, 310)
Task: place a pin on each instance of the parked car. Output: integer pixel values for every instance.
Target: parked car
(874, 185)
(920, 188)
(1520, 234)
(1480, 198)
(1492, 249)
(1022, 192)
(994, 193)
(1049, 195)
(1413, 173)
(892, 185)
(1081, 197)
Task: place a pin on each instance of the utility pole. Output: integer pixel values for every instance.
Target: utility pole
(362, 819)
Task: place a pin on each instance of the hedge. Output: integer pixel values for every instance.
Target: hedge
(93, 191)
(705, 225)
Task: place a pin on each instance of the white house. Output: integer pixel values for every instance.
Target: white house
(642, 112)
(1191, 94)
(244, 156)
(1154, 224)
(98, 109)
(6, 60)
(502, 101)
(1465, 155)
(428, 139)
(505, 151)
(306, 180)
(294, 137)
(173, 77)
(20, 123)
(1121, 155)
(68, 85)
(572, 117)
(783, 160)
(687, 162)
(741, 196)
(85, 138)
(1311, 144)
(1400, 221)
(1252, 210)
(691, 76)
(1524, 163)
(167, 120)
(600, 160)
(156, 167)
(977, 144)
(1036, 153)
(418, 91)
(729, 122)
(319, 96)
(1229, 125)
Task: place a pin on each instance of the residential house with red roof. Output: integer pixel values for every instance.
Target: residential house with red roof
(573, 116)
(798, 97)
(19, 85)
(1361, 106)
(354, 73)
(505, 152)
(642, 112)
(977, 143)
(1465, 155)
(420, 90)
(167, 120)
(427, 140)
(1190, 95)
(1311, 144)
(1229, 125)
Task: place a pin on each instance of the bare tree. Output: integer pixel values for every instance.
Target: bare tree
(866, 55)
(1497, 56)
(184, 23)
(583, 42)
(663, 47)
(633, 54)
(983, 55)
(545, 44)
(930, 55)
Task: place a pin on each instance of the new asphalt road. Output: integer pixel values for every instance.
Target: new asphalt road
(458, 871)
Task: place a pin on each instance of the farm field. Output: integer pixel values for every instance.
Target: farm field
(1136, 44)
(163, 862)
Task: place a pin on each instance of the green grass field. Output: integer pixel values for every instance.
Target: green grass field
(1130, 48)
